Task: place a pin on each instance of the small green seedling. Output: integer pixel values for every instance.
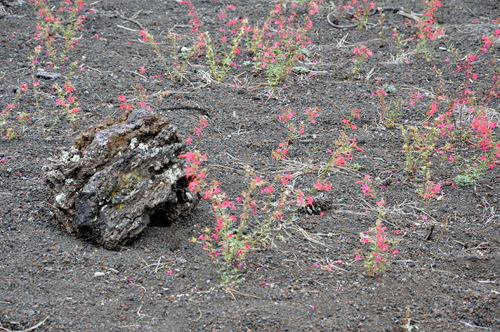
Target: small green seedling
(463, 180)
(389, 88)
(300, 70)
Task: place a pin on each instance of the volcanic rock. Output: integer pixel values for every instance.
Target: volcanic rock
(120, 175)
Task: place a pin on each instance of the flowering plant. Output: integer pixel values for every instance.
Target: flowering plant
(427, 30)
(381, 249)
(277, 50)
(388, 111)
(361, 55)
(7, 111)
(51, 21)
(362, 10)
(267, 207)
(227, 50)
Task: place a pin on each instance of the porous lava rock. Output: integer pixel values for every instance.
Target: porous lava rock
(119, 175)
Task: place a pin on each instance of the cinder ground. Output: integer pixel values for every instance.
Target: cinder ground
(446, 283)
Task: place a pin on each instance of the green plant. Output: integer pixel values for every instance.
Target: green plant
(388, 111)
(429, 189)
(51, 21)
(22, 118)
(7, 111)
(427, 29)
(256, 42)
(338, 9)
(419, 146)
(402, 56)
(183, 55)
(265, 208)
(356, 166)
(180, 60)
(470, 143)
(146, 36)
(381, 249)
(361, 55)
(68, 102)
(380, 246)
(277, 50)
(389, 88)
(463, 180)
(362, 10)
(220, 65)
(300, 70)
(392, 112)
(11, 134)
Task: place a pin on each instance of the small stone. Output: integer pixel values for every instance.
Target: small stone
(113, 270)
(47, 75)
(99, 274)
(53, 248)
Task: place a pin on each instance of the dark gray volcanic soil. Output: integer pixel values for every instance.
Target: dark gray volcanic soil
(448, 283)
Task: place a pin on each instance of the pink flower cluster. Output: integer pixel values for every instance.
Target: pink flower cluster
(381, 249)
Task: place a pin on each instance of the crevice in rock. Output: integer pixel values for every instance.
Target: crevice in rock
(162, 216)
(159, 217)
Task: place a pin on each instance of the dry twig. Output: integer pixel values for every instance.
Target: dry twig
(30, 329)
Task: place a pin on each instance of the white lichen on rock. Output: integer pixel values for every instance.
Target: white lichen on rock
(155, 151)
(68, 181)
(172, 174)
(65, 156)
(143, 146)
(133, 142)
(60, 198)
